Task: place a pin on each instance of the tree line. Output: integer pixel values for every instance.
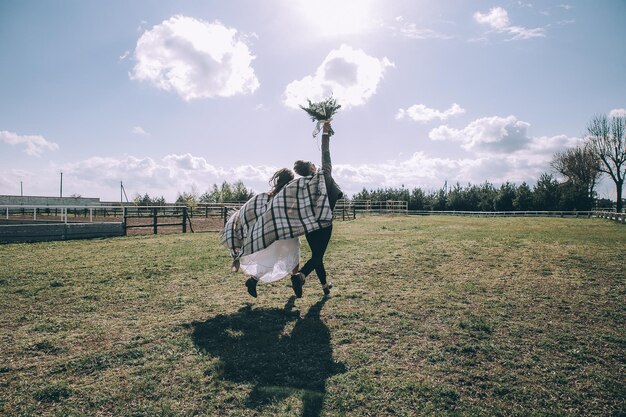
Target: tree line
(580, 168)
(225, 193)
(547, 194)
(571, 185)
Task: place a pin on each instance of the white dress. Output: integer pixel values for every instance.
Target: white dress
(274, 262)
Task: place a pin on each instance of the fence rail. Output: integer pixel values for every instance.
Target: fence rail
(611, 215)
(212, 217)
(534, 213)
(154, 213)
(130, 217)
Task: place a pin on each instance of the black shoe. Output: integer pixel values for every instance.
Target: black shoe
(297, 281)
(327, 288)
(251, 286)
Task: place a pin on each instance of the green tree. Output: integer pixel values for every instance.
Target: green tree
(240, 193)
(362, 195)
(146, 200)
(581, 169)
(487, 195)
(546, 193)
(187, 199)
(439, 200)
(523, 198)
(505, 197)
(227, 193)
(417, 200)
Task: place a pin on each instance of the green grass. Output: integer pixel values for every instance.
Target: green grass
(429, 316)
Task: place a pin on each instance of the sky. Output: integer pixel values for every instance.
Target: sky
(175, 96)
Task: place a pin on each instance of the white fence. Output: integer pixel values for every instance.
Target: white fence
(611, 215)
(56, 214)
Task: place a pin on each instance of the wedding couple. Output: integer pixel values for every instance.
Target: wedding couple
(263, 235)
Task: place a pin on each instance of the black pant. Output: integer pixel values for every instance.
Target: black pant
(318, 242)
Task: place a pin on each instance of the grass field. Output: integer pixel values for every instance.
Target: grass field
(429, 316)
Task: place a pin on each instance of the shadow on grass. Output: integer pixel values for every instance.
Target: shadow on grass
(255, 347)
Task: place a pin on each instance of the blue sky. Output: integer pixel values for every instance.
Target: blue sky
(173, 96)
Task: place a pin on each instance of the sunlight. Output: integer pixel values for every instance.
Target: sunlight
(338, 17)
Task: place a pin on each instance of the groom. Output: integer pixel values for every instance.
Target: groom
(318, 239)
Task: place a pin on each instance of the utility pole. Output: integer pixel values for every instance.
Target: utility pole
(61, 189)
(21, 189)
(122, 193)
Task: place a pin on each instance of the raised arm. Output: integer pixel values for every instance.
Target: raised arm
(327, 165)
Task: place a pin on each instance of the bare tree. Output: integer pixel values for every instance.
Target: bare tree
(608, 141)
(580, 166)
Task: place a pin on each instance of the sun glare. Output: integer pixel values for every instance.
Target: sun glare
(338, 17)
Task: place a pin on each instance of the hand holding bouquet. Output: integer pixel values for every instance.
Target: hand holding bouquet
(322, 113)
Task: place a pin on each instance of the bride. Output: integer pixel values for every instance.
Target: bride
(272, 263)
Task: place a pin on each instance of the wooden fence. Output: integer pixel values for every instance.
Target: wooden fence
(202, 217)
(42, 232)
(156, 216)
(62, 221)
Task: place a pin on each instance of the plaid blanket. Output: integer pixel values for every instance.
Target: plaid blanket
(300, 207)
(240, 222)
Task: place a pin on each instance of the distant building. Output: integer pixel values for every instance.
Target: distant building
(16, 200)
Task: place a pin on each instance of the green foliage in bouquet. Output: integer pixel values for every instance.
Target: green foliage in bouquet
(323, 110)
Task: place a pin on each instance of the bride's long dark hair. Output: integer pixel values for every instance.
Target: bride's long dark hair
(280, 179)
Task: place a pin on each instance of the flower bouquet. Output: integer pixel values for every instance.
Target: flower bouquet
(322, 112)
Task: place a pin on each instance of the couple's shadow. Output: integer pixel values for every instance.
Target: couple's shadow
(255, 346)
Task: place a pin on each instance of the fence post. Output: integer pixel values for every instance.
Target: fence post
(224, 214)
(185, 219)
(154, 220)
(123, 220)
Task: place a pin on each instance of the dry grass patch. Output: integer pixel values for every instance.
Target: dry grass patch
(429, 316)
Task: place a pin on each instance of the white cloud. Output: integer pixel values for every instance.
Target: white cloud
(498, 19)
(411, 31)
(195, 59)
(429, 173)
(502, 151)
(189, 162)
(421, 113)
(617, 113)
(349, 74)
(35, 144)
(497, 136)
(487, 135)
(524, 164)
(166, 176)
(138, 130)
